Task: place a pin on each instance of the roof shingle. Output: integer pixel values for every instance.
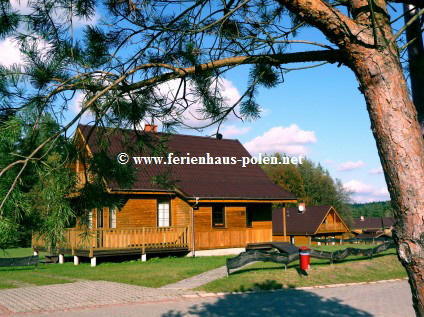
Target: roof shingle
(298, 223)
(212, 181)
(373, 223)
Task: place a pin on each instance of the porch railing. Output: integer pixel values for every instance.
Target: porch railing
(332, 227)
(230, 238)
(129, 238)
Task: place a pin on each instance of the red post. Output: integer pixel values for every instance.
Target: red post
(304, 258)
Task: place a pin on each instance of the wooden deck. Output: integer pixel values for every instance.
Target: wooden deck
(108, 242)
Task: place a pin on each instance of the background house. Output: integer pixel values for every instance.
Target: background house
(373, 225)
(312, 222)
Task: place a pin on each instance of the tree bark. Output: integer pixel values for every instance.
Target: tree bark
(416, 61)
(401, 149)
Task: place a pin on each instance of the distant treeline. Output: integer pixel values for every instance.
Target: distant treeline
(374, 209)
(312, 184)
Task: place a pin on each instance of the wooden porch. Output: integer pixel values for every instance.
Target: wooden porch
(332, 227)
(109, 242)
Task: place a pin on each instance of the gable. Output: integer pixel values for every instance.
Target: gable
(306, 223)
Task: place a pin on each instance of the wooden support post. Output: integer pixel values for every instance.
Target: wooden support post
(143, 245)
(93, 261)
(76, 260)
(284, 222)
(61, 259)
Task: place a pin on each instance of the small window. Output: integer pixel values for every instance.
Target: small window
(164, 213)
(90, 219)
(112, 217)
(218, 216)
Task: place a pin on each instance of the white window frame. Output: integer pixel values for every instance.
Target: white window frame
(112, 218)
(90, 219)
(164, 212)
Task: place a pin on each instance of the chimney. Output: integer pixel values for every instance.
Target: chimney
(362, 218)
(151, 128)
(301, 208)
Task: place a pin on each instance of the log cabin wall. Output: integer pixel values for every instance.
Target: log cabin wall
(141, 211)
(137, 212)
(180, 212)
(236, 232)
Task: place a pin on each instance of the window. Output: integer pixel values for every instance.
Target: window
(218, 216)
(99, 217)
(90, 219)
(164, 213)
(112, 217)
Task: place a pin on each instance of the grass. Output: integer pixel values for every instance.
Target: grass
(155, 272)
(267, 276)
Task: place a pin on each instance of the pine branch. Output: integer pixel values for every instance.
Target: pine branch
(331, 56)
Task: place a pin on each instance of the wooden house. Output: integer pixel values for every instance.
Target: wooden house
(373, 225)
(216, 203)
(299, 226)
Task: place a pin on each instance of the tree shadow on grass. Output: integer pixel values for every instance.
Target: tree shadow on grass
(287, 303)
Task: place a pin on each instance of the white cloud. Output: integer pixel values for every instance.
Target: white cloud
(192, 116)
(349, 166)
(376, 171)
(329, 162)
(9, 52)
(75, 106)
(290, 140)
(233, 130)
(79, 22)
(381, 192)
(363, 193)
(21, 6)
(59, 15)
(358, 187)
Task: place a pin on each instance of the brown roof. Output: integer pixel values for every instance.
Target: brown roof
(195, 180)
(297, 223)
(373, 223)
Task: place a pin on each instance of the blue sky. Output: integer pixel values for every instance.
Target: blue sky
(324, 101)
(316, 112)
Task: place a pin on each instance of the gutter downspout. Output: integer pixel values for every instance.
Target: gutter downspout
(193, 252)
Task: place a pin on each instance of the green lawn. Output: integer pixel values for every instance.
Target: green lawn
(155, 272)
(265, 276)
(161, 271)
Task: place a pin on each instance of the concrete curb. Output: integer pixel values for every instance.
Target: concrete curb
(285, 288)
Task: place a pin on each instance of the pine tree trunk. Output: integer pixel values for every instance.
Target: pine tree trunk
(401, 148)
(415, 61)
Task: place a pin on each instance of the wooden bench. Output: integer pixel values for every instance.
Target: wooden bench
(23, 261)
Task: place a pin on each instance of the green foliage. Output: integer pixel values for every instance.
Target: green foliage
(311, 184)
(374, 209)
(47, 200)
